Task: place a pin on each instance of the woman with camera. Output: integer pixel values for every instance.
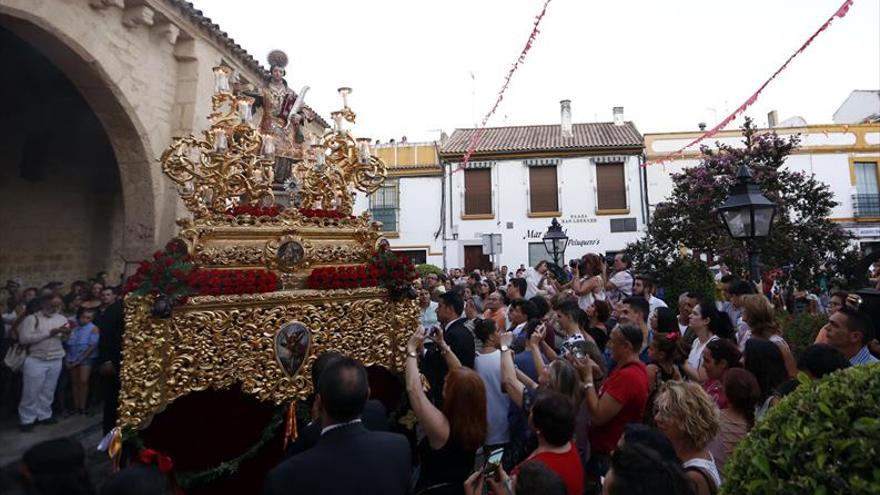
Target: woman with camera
(453, 434)
(589, 280)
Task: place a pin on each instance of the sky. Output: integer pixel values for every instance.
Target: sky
(418, 67)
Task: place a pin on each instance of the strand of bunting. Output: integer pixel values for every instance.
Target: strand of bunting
(477, 136)
(839, 13)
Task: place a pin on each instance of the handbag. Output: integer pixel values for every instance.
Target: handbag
(15, 356)
(17, 353)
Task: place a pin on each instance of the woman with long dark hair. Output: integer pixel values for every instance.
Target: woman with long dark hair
(708, 324)
(742, 392)
(764, 359)
(663, 320)
(720, 356)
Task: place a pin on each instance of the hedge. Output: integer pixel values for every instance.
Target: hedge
(823, 438)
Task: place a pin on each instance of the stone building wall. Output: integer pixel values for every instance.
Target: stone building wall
(144, 68)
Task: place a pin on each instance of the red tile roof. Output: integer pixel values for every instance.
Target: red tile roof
(207, 26)
(593, 136)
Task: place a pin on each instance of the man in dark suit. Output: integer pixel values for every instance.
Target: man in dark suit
(449, 308)
(348, 458)
(374, 416)
(111, 324)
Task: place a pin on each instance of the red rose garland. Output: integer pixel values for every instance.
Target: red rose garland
(255, 211)
(171, 273)
(386, 269)
(313, 213)
(215, 282)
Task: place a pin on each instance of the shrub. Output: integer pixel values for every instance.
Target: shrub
(686, 275)
(801, 331)
(426, 268)
(823, 438)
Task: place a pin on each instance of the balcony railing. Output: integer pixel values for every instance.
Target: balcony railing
(866, 205)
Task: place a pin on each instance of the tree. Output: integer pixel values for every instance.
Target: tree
(804, 242)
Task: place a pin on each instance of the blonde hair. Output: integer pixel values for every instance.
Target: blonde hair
(688, 405)
(759, 315)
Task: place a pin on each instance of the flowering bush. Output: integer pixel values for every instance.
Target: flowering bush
(255, 211)
(166, 274)
(311, 213)
(343, 277)
(215, 282)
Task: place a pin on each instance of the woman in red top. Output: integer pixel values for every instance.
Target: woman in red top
(552, 419)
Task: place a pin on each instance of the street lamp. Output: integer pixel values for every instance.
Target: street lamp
(748, 215)
(555, 241)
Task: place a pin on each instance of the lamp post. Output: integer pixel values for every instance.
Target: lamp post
(748, 215)
(555, 241)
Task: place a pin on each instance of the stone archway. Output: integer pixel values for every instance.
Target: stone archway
(106, 141)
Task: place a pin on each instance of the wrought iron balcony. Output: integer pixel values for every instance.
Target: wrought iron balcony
(866, 205)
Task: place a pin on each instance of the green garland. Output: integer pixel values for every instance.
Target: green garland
(188, 479)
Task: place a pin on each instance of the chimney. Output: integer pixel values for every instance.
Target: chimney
(565, 111)
(618, 115)
(772, 118)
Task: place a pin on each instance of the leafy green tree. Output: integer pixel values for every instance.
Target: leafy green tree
(803, 240)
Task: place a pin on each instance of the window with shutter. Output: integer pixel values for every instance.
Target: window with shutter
(385, 205)
(611, 186)
(478, 191)
(543, 196)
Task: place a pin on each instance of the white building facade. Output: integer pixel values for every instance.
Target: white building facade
(518, 179)
(409, 203)
(845, 157)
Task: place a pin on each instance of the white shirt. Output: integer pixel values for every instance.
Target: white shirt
(488, 366)
(656, 302)
(708, 466)
(338, 425)
(695, 358)
(586, 300)
(533, 278)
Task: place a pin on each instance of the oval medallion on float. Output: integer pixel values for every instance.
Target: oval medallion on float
(292, 347)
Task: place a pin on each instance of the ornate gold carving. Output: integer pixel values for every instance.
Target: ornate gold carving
(225, 165)
(335, 253)
(230, 255)
(327, 183)
(215, 342)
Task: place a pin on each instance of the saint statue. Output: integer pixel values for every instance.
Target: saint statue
(284, 117)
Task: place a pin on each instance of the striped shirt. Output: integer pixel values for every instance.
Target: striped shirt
(863, 357)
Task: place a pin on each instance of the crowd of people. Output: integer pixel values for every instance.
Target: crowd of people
(70, 343)
(589, 383)
(520, 383)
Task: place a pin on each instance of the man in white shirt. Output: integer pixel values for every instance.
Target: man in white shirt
(533, 277)
(43, 332)
(644, 286)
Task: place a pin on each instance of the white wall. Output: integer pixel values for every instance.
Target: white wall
(510, 181)
(857, 107)
(418, 218)
(831, 168)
